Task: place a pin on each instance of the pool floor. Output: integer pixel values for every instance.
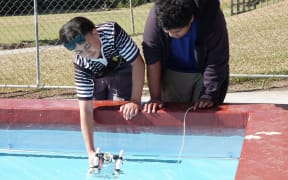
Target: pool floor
(60, 154)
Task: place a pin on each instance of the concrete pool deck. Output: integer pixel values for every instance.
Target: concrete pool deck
(264, 115)
(275, 96)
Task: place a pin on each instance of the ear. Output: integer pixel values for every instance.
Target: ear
(94, 32)
(192, 19)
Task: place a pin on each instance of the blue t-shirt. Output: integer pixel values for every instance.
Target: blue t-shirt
(181, 52)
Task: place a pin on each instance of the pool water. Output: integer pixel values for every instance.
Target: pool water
(60, 154)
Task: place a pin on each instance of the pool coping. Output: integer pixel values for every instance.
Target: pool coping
(264, 153)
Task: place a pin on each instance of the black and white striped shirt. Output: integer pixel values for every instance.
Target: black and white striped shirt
(117, 47)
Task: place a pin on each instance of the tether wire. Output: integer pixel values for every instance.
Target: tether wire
(183, 135)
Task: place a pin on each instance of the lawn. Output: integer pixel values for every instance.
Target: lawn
(258, 45)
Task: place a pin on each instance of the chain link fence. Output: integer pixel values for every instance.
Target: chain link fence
(31, 56)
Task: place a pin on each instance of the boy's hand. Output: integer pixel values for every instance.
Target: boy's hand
(203, 104)
(91, 160)
(129, 110)
(152, 106)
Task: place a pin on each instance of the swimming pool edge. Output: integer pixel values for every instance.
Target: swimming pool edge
(264, 152)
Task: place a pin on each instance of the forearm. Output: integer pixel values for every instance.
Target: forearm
(153, 78)
(216, 72)
(137, 79)
(87, 124)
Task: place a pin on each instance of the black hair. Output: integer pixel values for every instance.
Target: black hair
(77, 25)
(172, 14)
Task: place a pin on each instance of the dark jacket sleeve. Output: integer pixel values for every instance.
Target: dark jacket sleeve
(151, 44)
(216, 64)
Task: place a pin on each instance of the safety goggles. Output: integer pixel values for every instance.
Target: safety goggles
(71, 45)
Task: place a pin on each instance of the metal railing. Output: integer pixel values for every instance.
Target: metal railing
(31, 56)
(242, 6)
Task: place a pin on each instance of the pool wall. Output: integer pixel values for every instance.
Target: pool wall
(264, 152)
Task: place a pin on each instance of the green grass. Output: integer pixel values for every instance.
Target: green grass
(259, 40)
(16, 29)
(258, 43)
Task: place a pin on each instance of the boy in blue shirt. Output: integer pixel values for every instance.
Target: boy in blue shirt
(185, 45)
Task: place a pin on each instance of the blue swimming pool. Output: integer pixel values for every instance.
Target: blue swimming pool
(149, 153)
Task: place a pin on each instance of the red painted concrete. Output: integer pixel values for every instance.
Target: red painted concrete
(264, 153)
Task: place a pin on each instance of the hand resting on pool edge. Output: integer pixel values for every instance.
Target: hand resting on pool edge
(129, 110)
(153, 105)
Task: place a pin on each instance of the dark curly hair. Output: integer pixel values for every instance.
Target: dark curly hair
(172, 14)
(77, 25)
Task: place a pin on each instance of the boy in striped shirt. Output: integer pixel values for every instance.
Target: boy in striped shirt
(108, 66)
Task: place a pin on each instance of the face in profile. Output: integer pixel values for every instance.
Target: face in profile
(179, 32)
(91, 47)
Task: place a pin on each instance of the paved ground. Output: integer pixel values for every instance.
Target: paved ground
(275, 96)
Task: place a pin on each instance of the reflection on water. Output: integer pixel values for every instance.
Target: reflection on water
(149, 153)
